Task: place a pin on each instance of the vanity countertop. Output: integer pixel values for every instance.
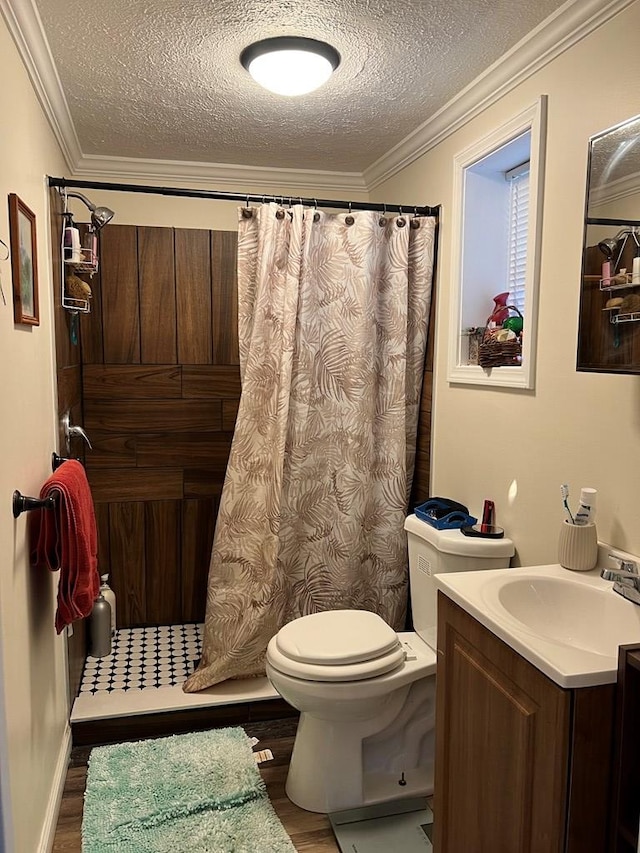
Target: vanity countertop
(567, 624)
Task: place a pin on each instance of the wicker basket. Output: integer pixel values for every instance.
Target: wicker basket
(494, 353)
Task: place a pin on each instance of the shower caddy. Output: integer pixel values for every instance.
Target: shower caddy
(88, 264)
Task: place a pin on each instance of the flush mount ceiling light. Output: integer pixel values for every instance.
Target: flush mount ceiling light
(290, 65)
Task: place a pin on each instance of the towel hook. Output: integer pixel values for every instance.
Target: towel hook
(56, 461)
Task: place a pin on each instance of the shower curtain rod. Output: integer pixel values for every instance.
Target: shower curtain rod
(423, 210)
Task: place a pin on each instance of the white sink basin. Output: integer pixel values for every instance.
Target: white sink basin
(567, 624)
(572, 613)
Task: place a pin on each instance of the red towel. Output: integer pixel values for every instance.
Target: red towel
(66, 538)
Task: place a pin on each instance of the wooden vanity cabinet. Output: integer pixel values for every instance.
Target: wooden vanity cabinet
(522, 765)
(626, 783)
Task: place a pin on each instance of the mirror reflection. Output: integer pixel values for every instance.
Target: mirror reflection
(613, 190)
(609, 329)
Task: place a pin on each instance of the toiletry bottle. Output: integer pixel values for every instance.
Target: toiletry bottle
(71, 242)
(109, 596)
(635, 268)
(90, 248)
(100, 628)
(606, 273)
(587, 509)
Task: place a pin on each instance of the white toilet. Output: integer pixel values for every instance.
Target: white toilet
(365, 693)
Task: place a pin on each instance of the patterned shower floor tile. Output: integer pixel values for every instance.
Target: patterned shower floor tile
(144, 658)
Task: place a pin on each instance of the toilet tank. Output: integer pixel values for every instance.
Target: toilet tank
(432, 551)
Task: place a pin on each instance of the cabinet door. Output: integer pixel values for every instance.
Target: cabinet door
(502, 745)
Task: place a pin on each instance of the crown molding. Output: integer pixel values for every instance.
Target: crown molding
(567, 26)
(25, 26)
(615, 190)
(236, 177)
(560, 31)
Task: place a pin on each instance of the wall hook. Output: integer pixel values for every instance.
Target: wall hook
(56, 461)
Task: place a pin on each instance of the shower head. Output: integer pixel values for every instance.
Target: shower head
(608, 247)
(99, 215)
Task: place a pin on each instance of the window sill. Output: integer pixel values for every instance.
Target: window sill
(505, 377)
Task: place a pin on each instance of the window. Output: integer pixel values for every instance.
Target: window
(497, 192)
(518, 179)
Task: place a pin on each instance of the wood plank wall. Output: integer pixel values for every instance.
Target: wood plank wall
(161, 386)
(422, 474)
(68, 379)
(603, 346)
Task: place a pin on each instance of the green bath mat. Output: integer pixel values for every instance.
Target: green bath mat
(197, 793)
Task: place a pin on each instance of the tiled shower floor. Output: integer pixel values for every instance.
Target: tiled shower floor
(145, 657)
(145, 672)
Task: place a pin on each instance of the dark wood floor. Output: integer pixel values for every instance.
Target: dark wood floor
(310, 833)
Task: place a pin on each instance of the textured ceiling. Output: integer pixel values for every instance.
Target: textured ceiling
(162, 79)
(615, 154)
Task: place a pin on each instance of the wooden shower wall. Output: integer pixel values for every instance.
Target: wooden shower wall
(161, 385)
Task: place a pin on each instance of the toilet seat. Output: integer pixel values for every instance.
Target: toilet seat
(336, 645)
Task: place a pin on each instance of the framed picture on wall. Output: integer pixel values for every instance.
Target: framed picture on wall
(24, 266)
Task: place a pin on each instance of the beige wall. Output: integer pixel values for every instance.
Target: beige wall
(512, 446)
(173, 212)
(33, 690)
(518, 447)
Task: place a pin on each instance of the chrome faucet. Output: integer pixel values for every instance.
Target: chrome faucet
(626, 578)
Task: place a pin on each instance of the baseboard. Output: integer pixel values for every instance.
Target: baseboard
(55, 798)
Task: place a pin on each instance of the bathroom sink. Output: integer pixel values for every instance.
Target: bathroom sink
(567, 624)
(565, 611)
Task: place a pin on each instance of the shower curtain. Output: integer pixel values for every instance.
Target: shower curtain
(332, 315)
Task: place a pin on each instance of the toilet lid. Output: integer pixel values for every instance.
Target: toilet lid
(336, 672)
(336, 638)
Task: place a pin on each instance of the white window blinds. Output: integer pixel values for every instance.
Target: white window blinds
(518, 231)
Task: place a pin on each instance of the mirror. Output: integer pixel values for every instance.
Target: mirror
(609, 327)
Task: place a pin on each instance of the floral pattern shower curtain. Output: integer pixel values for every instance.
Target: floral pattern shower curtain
(333, 316)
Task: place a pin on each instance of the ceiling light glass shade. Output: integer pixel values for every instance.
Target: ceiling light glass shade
(290, 65)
